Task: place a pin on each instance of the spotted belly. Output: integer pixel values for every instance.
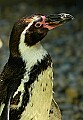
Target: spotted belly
(33, 101)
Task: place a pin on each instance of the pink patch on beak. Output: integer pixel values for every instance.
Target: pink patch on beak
(49, 27)
(44, 17)
(46, 25)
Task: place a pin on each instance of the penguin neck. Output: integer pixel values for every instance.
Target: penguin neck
(32, 55)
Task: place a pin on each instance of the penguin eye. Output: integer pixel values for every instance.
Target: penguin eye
(38, 24)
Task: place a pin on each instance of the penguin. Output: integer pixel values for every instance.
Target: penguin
(26, 82)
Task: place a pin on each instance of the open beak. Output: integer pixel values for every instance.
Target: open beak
(54, 20)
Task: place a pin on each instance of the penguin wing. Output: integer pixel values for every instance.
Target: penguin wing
(6, 92)
(10, 79)
(54, 113)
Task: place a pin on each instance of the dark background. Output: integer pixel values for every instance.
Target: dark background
(65, 45)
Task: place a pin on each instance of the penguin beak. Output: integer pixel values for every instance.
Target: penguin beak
(54, 20)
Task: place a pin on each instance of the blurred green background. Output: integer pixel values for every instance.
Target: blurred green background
(65, 45)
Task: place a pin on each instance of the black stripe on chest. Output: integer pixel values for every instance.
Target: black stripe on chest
(38, 68)
(15, 114)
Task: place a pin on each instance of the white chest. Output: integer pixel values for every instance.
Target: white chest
(40, 98)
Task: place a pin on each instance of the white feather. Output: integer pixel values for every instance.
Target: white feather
(1, 108)
(8, 109)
